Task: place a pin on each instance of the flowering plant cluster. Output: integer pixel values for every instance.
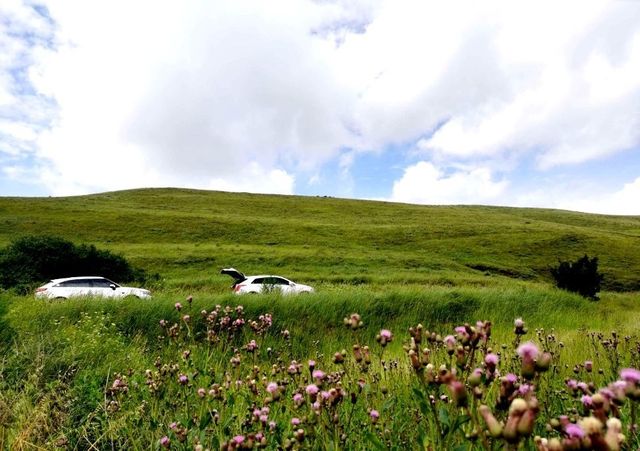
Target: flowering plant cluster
(234, 383)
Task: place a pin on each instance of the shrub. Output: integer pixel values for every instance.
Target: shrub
(35, 259)
(581, 276)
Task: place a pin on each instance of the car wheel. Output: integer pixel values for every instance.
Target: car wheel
(60, 298)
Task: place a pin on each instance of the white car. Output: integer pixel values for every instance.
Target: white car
(88, 286)
(264, 283)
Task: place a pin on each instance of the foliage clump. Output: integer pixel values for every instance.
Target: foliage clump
(580, 277)
(34, 259)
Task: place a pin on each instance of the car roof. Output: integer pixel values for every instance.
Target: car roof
(64, 279)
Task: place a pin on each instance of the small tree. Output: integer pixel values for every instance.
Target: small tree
(581, 276)
(36, 259)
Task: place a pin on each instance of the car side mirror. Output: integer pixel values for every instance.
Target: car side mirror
(112, 286)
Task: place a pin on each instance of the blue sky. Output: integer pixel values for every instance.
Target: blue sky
(532, 104)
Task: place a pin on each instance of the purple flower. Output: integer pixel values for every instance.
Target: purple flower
(318, 374)
(374, 414)
(574, 431)
(572, 384)
(295, 421)
(450, 340)
(272, 387)
(312, 389)
(165, 442)
(586, 401)
(518, 323)
(238, 439)
(183, 379)
(511, 378)
(178, 306)
(630, 375)
(524, 389)
(298, 399)
(528, 351)
(491, 359)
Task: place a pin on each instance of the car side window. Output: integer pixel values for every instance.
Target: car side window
(258, 281)
(101, 283)
(279, 281)
(80, 283)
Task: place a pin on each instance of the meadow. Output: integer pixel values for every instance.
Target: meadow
(445, 298)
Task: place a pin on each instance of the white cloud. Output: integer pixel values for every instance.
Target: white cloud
(424, 183)
(156, 93)
(255, 179)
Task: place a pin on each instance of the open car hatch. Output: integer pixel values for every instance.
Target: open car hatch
(237, 275)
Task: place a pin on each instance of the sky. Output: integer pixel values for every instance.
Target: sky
(528, 104)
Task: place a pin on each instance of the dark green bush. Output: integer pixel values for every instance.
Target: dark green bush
(31, 260)
(581, 276)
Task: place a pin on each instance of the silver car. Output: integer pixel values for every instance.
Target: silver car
(88, 286)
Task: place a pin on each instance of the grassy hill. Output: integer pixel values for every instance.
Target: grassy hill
(106, 374)
(187, 235)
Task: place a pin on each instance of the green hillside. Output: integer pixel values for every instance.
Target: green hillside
(187, 235)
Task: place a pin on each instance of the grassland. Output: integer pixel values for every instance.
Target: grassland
(397, 265)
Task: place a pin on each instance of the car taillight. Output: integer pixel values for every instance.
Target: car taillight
(41, 289)
(236, 288)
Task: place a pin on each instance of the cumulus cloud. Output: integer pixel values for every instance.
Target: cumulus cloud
(202, 93)
(424, 183)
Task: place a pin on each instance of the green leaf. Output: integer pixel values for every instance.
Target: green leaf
(443, 416)
(375, 441)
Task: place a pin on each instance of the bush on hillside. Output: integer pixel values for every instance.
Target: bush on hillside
(581, 276)
(31, 260)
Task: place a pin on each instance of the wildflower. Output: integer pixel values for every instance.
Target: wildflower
(163, 323)
(588, 366)
(238, 439)
(519, 328)
(312, 365)
(318, 375)
(202, 392)
(475, 378)
(528, 352)
(295, 421)
(630, 375)
(384, 337)
(165, 442)
(272, 425)
(272, 387)
(178, 306)
(450, 343)
(493, 425)
(189, 299)
(183, 379)
(587, 401)
(574, 431)
(458, 393)
(374, 414)
(312, 389)
(298, 399)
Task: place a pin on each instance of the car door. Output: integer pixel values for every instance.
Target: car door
(281, 284)
(103, 287)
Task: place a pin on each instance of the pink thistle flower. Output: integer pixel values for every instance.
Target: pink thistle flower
(586, 401)
(518, 323)
(318, 375)
(173, 426)
(574, 431)
(272, 387)
(525, 389)
(295, 421)
(325, 395)
(183, 379)
(202, 392)
(510, 378)
(528, 351)
(491, 359)
(272, 425)
(449, 341)
(298, 399)
(630, 375)
(238, 439)
(178, 306)
(572, 384)
(374, 414)
(312, 389)
(165, 442)
(186, 318)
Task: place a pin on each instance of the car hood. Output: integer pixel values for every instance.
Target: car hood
(232, 272)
